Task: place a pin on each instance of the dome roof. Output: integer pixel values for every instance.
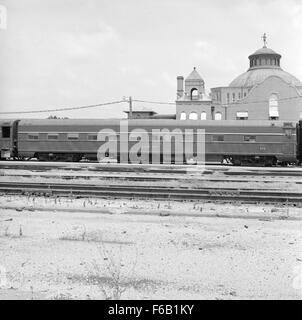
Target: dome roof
(265, 51)
(264, 63)
(256, 76)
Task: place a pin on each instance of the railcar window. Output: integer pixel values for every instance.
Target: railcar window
(52, 137)
(250, 138)
(73, 136)
(33, 136)
(92, 137)
(217, 137)
(5, 132)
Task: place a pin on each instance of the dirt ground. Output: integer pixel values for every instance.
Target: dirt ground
(101, 249)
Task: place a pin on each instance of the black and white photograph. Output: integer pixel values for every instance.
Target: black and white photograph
(150, 151)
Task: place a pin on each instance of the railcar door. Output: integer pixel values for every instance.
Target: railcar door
(15, 138)
(6, 140)
(299, 142)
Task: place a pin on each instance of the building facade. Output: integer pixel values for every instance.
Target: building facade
(264, 92)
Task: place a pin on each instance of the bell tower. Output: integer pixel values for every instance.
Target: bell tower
(194, 86)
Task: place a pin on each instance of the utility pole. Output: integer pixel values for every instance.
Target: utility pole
(130, 107)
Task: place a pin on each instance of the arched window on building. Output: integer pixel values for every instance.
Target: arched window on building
(218, 116)
(194, 94)
(183, 116)
(193, 116)
(234, 97)
(273, 107)
(203, 116)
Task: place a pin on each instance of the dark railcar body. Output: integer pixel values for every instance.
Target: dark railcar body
(299, 142)
(242, 141)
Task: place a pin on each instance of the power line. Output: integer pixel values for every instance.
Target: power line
(86, 107)
(234, 103)
(230, 103)
(66, 109)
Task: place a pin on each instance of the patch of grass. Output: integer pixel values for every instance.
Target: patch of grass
(62, 296)
(94, 239)
(97, 280)
(88, 239)
(110, 272)
(7, 234)
(92, 236)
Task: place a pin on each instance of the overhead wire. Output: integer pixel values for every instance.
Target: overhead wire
(65, 109)
(233, 103)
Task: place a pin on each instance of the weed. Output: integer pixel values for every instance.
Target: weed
(112, 263)
(62, 296)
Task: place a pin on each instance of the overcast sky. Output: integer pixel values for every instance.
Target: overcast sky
(62, 53)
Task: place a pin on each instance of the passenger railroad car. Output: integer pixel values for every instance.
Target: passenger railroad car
(242, 142)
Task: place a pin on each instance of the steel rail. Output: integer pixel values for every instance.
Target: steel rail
(131, 191)
(140, 178)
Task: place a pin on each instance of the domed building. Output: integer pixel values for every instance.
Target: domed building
(263, 63)
(264, 92)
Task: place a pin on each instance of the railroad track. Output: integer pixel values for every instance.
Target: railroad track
(152, 168)
(151, 192)
(143, 178)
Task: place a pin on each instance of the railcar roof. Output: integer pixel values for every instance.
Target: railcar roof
(150, 122)
(6, 122)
